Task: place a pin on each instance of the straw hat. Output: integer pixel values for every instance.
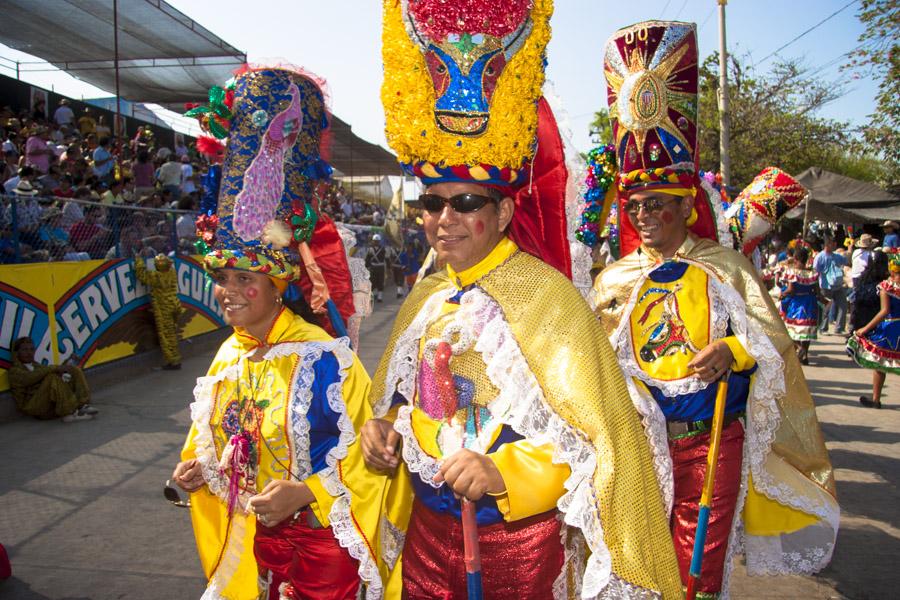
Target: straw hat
(890, 224)
(24, 188)
(866, 241)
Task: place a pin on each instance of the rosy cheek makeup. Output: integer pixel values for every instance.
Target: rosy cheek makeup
(251, 292)
(479, 227)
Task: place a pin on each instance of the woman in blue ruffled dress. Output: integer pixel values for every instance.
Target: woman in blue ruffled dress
(799, 305)
(877, 345)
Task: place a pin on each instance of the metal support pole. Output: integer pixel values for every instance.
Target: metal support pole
(724, 115)
(116, 132)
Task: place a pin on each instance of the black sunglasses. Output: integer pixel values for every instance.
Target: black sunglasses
(461, 203)
(650, 205)
(174, 497)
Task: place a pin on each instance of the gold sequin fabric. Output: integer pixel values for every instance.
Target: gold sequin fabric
(570, 357)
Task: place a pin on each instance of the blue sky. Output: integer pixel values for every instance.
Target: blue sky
(340, 41)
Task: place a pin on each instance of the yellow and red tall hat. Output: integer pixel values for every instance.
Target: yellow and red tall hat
(652, 72)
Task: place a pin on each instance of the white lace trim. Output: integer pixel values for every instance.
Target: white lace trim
(528, 415)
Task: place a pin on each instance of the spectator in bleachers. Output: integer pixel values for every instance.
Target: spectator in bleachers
(10, 165)
(53, 237)
(39, 110)
(37, 152)
(23, 174)
(63, 116)
(185, 226)
(142, 170)
(103, 160)
(170, 176)
(180, 149)
(63, 188)
(11, 142)
(86, 123)
(50, 180)
(102, 129)
(72, 211)
(188, 185)
(113, 196)
(28, 212)
(88, 235)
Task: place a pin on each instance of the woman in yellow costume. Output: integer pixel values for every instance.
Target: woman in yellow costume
(280, 506)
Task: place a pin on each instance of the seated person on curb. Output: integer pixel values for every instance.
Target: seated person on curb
(48, 391)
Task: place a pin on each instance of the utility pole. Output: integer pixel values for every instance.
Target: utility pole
(724, 115)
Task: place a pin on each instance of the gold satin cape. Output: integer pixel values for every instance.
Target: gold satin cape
(565, 349)
(803, 498)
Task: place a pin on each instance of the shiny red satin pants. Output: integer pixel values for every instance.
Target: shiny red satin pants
(519, 560)
(309, 563)
(689, 460)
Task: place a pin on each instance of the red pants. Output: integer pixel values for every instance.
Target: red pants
(310, 561)
(519, 560)
(689, 460)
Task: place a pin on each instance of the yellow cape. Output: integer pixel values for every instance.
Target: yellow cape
(789, 510)
(582, 404)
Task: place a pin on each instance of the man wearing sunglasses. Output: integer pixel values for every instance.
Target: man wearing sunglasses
(497, 392)
(684, 313)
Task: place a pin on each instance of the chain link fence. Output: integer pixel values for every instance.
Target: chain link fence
(42, 229)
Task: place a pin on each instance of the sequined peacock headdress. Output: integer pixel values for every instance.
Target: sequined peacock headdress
(273, 120)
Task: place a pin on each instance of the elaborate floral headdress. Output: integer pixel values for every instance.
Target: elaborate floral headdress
(652, 73)
(756, 210)
(272, 120)
(462, 97)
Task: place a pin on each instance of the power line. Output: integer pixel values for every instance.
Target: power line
(663, 11)
(816, 26)
(683, 4)
(708, 15)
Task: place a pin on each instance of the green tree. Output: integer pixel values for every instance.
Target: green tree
(878, 56)
(774, 122)
(601, 130)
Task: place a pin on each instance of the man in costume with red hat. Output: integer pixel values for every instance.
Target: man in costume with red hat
(682, 311)
(497, 386)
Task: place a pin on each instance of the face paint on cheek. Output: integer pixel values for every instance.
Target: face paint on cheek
(479, 227)
(252, 292)
(667, 217)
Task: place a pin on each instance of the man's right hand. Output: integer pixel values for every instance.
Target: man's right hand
(380, 444)
(188, 475)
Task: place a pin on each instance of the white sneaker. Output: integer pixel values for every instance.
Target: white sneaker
(77, 416)
(87, 409)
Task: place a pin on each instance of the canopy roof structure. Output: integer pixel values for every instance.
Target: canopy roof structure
(837, 198)
(353, 156)
(164, 55)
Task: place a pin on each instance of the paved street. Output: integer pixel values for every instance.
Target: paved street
(83, 517)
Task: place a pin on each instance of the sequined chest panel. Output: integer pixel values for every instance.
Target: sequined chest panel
(671, 320)
(452, 386)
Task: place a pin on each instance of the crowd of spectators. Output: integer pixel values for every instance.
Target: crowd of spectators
(78, 189)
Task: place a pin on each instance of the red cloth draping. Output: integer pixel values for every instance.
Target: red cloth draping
(328, 250)
(519, 560)
(310, 561)
(689, 461)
